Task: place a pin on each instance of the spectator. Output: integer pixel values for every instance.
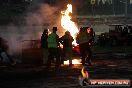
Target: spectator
(53, 48)
(83, 40)
(67, 40)
(44, 45)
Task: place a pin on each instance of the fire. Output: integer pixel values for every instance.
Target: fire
(84, 73)
(67, 23)
(84, 79)
(74, 61)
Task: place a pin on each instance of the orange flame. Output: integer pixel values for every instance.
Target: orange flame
(67, 23)
(84, 73)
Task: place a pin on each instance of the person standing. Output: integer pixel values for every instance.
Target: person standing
(44, 45)
(92, 35)
(53, 48)
(82, 39)
(66, 41)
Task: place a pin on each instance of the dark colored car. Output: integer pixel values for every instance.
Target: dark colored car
(32, 51)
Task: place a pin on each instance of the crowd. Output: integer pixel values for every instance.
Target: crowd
(51, 46)
(52, 52)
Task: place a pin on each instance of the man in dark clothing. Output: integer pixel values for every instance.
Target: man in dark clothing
(92, 35)
(44, 45)
(53, 48)
(67, 40)
(83, 40)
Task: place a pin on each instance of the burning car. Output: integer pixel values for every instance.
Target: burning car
(32, 52)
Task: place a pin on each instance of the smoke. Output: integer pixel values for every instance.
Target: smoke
(37, 17)
(45, 16)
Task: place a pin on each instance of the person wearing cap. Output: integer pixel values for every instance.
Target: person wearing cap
(44, 45)
(83, 39)
(66, 41)
(53, 48)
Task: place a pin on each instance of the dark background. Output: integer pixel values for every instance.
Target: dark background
(12, 10)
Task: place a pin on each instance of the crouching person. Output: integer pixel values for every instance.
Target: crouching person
(4, 56)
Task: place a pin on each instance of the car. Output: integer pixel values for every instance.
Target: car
(32, 52)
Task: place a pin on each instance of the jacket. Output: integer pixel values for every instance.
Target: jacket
(53, 40)
(83, 37)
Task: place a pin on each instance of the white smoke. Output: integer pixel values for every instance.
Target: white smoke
(45, 16)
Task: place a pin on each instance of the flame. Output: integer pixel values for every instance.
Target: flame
(84, 73)
(67, 23)
(84, 79)
(74, 61)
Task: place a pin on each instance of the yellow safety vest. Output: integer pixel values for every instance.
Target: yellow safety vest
(52, 42)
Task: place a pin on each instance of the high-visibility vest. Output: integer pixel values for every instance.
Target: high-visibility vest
(52, 41)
